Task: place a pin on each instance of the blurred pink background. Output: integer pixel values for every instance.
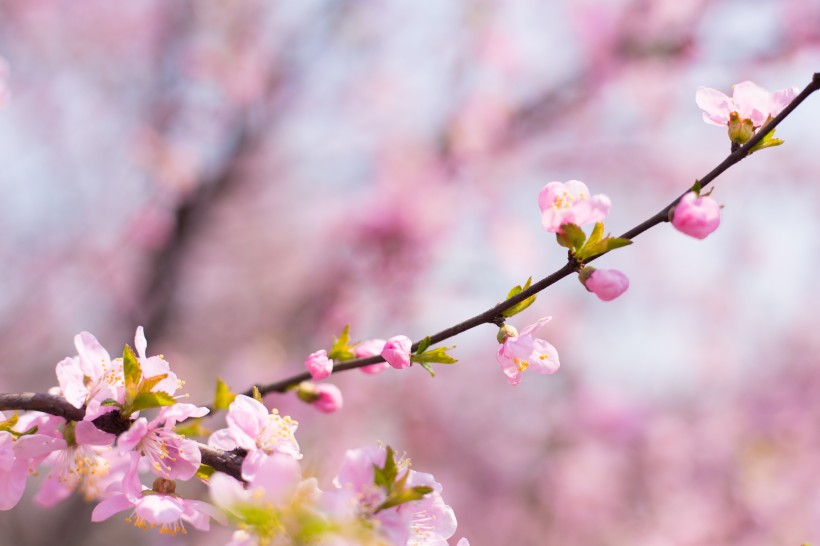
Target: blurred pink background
(245, 178)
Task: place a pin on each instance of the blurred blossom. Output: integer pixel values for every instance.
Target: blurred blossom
(696, 216)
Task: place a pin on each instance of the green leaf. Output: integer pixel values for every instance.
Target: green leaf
(132, 371)
(696, 187)
(205, 472)
(596, 235)
(428, 367)
(111, 402)
(571, 237)
(767, 141)
(520, 306)
(423, 344)
(224, 396)
(146, 400)
(438, 355)
(385, 476)
(402, 496)
(192, 428)
(616, 242)
(149, 383)
(342, 350)
(10, 422)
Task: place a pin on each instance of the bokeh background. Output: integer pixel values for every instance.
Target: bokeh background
(245, 178)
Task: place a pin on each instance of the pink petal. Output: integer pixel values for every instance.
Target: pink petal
(140, 343)
(88, 434)
(159, 509)
(715, 105)
(110, 506)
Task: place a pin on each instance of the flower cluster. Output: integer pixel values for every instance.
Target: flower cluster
(273, 502)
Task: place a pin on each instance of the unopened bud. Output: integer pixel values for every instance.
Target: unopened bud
(505, 332)
(740, 130)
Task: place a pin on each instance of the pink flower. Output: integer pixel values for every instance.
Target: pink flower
(171, 456)
(371, 347)
(319, 365)
(160, 507)
(90, 377)
(519, 351)
(330, 398)
(397, 352)
(607, 284)
(271, 504)
(17, 454)
(696, 216)
(428, 520)
(570, 203)
(748, 100)
(252, 427)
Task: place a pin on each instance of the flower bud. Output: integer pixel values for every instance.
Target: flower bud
(319, 365)
(330, 398)
(607, 284)
(696, 216)
(740, 130)
(397, 352)
(505, 332)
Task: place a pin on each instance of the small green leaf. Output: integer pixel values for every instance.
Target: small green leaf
(596, 235)
(205, 472)
(385, 476)
(402, 496)
(423, 344)
(438, 355)
(192, 428)
(10, 422)
(767, 141)
(111, 402)
(132, 371)
(571, 237)
(149, 383)
(342, 350)
(696, 187)
(616, 242)
(520, 306)
(224, 396)
(427, 367)
(146, 400)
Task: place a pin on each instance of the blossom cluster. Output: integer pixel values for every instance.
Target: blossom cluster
(375, 499)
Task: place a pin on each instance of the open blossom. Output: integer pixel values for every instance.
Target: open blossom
(171, 456)
(17, 454)
(570, 203)
(607, 284)
(276, 503)
(158, 506)
(319, 365)
(252, 427)
(396, 351)
(424, 522)
(748, 100)
(520, 351)
(91, 377)
(371, 347)
(696, 216)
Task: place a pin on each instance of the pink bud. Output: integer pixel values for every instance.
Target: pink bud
(371, 347)
(397, 352)
(607, 284)
(330, 398)
(319, 365)
(696, 216)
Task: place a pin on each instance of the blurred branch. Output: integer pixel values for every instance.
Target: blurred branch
(494, 314)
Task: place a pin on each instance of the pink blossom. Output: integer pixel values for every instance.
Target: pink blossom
(330, 398)
(371, 347)
(428, 520)
(396, 352)
(696, 216)
(17, 455)
(607, 284)
(252, 427)
(152, 366)
(521, 351)
(276, 489)
(90, 377)
(160, 507)
(748, 100)
(570, 203)
(171, 456)
(319, 365)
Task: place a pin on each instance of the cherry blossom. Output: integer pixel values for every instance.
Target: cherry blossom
(570, 203)
(748, 101)
(520, 351)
